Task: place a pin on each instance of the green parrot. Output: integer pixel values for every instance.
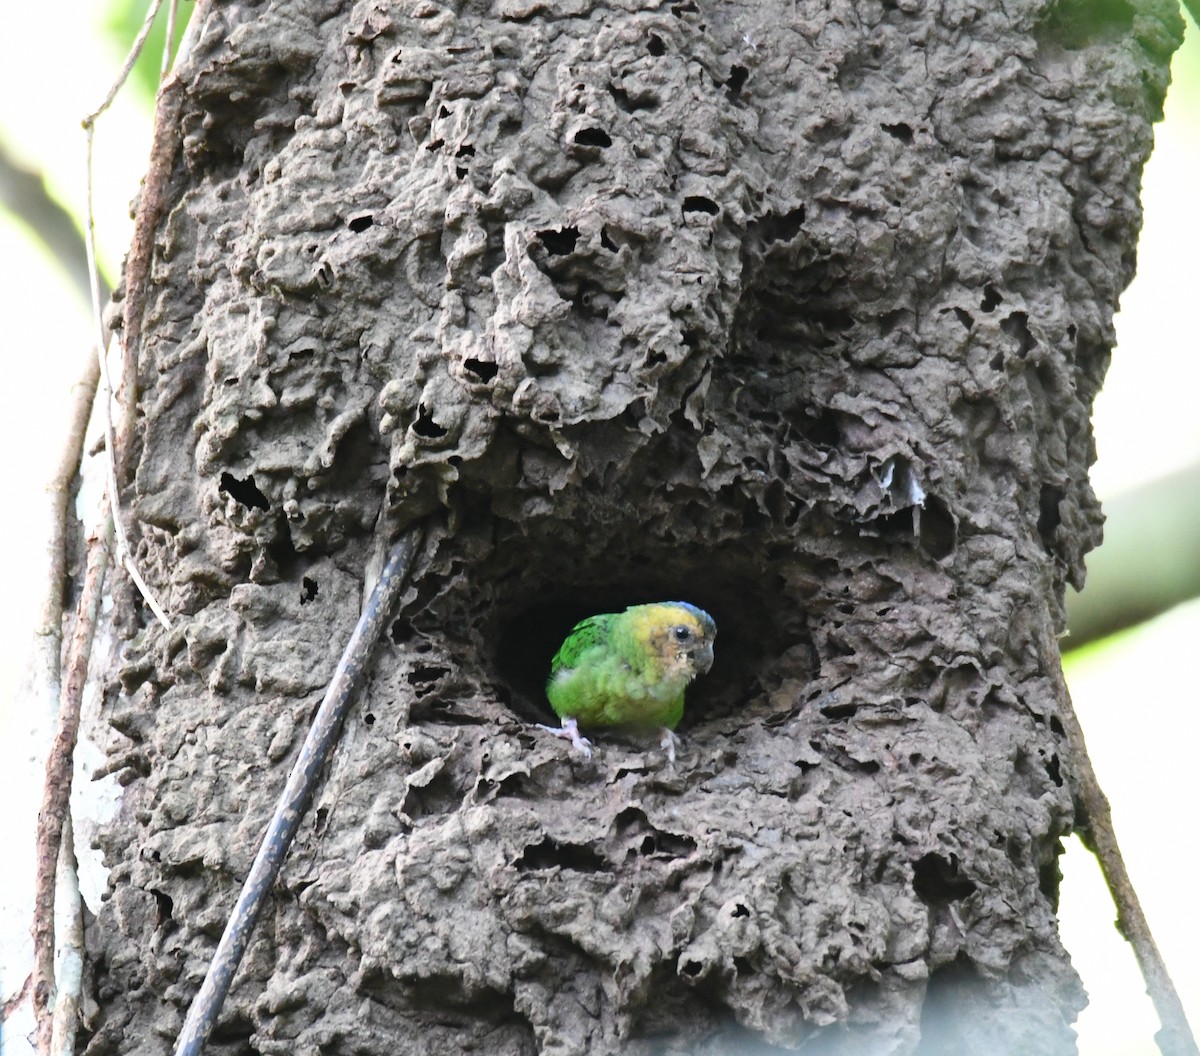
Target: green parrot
(629, 670)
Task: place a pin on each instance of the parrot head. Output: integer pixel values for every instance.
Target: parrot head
(679, 636)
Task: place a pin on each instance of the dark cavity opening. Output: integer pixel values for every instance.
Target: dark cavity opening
(782, 228)
(551, 588)
(593, 137)
(900, 131)
(550, 854)
(1016, 325)
(559, 241)
(736, 81)
(425, 425)
(938, 532)
(244, 492)
(308, 590)
(485, 370)
(697, 203)
(939, 881)
(1049, 515)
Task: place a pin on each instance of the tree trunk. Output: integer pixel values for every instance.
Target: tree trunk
(792, 310)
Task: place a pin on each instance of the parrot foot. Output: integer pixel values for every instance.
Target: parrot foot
(570, 732)
(670, 741)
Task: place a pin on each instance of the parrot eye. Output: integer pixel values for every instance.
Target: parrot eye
(682, 634)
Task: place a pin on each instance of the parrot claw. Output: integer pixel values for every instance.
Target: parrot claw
(670, 741)
(570, 731)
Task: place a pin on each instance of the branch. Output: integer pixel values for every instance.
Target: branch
(150, 209)
(172, 10)
(54, 853)
(114, 492)
(56, 797)
(151, 206)
(295, 797)
(47, 680)
(1096, 830)
(123, 76)
(69, 927)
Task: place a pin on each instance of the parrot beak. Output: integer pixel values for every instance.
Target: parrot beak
(704, 658)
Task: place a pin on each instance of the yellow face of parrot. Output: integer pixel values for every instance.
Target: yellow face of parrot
(679, 638)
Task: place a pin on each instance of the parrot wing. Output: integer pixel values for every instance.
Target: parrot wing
(588, 634)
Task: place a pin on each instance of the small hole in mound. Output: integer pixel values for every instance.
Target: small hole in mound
(164, 905)
(938, 880)
(593, 137)
(939, 533)
(840, 711)
(1049, 515)
(697, 203)
(550, 854)
(483, 369)
(244, 492)
(737, 80)
(559, 241)
(776, 227)
(1054, 769)
(425, 425)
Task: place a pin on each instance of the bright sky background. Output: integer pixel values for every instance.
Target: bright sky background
(1136, 697)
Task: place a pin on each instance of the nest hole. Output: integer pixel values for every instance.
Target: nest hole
(757, 624)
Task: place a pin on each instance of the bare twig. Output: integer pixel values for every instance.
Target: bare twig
(17, 999)
(56, 1010)
(136, 50)
(172, 10)
(295, 797)
(123, 552)
(150, 209)
(47, 679)
(57, 795)
(1175, 1036)
(137, 268)
(48, 634)
(69, 931)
